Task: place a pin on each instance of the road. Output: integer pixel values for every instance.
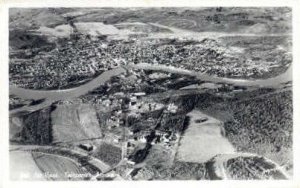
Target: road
(185, 33)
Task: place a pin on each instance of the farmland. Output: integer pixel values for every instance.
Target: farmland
(74, 123)
(58, 166)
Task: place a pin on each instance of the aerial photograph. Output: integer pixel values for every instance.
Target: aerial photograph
(150, 93)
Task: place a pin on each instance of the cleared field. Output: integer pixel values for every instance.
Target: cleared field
(58, 167)
(23, 167)
(75, 123)
(202, 140)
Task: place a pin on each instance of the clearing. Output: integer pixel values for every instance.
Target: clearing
(203, 139)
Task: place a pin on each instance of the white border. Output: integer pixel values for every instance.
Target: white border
(6, 4)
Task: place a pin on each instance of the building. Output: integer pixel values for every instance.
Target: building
(87, 147)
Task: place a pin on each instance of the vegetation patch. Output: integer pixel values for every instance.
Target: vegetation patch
(108, 153)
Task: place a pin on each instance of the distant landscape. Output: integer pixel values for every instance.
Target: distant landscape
(150, 93)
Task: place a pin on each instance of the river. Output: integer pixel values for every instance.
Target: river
(56, 95)
(63, 94)
(269, 82)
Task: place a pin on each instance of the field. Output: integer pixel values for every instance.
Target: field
(32, 128)
(65, 125)
(178, 171)
(108, 153)
(57, 166)
(159, 155)
(202, 141)
(138, 27)
(74, 123)
(22, 166)
(27, 165)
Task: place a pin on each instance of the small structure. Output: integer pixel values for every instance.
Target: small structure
(119, 94)
(201, 120)
(142, 138)
(131, 162)
(172, 108)
(87, 147)
(139, 94)
(133, 100)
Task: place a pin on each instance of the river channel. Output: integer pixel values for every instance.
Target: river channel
(56, 95)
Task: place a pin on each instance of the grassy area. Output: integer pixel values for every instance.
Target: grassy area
(179, 171)
(159, 155)
(108, 153)
(57, 165)
(84, 161)
(202, 141)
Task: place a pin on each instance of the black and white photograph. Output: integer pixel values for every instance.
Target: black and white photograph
(150, 93)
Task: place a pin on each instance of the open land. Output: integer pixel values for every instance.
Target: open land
(203, 140)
